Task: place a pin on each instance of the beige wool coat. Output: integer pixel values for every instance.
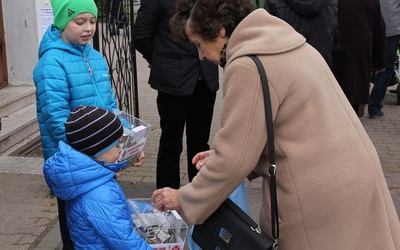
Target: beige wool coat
(332, 193)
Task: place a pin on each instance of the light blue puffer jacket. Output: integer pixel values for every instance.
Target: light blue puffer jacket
(64, 80)
(98, 213)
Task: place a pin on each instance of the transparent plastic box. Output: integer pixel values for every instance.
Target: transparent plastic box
(134, 137)
(161, 230)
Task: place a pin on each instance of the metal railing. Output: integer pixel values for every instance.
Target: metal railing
(113, 39)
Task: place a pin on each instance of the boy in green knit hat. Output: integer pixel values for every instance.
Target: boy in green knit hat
(69, 73)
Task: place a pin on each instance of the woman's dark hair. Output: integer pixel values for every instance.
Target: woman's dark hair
(207, 17)
(178, 21)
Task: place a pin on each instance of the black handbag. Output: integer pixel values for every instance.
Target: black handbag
(229, 227)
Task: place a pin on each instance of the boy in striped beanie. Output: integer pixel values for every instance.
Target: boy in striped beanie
(82, 173)
(94, 131)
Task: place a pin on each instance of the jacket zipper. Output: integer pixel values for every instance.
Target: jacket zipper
(91, 73)
(87, 64)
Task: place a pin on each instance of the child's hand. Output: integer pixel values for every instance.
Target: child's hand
(117, 174)
(139, 159)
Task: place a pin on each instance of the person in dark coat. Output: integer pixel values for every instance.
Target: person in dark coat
(186, 88)
(362, 49)
(316, 20)
(391, 14)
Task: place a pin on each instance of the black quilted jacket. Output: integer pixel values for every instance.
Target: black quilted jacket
(175, 68)
(316, 20)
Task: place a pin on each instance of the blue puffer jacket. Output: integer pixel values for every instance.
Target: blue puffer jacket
(98, 213)
(66, 76)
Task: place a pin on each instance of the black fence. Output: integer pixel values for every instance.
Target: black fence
(113, 39)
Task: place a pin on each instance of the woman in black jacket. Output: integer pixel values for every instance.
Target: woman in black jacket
(186, 89)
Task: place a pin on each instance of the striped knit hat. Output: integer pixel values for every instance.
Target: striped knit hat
(92, 130)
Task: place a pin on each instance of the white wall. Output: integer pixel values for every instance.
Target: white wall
(23, 31)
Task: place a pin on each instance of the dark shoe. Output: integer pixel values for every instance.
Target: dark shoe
(376, 116)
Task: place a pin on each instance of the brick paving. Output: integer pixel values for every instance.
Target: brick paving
(28, 213)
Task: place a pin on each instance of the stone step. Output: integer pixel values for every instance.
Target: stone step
(18, 117)
(12, 98)
(25, 146)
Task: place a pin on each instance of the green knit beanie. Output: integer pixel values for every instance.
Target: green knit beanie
(66, 10)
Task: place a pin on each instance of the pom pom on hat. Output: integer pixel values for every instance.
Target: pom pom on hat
(92, 130)
(66, 10)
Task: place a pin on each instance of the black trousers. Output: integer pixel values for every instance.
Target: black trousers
(195, 112)
(62, 218)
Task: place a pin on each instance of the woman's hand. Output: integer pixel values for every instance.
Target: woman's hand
(201, 159)
(166, 199)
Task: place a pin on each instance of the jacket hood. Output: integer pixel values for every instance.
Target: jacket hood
(52, 40)
(70, 174)
(261, 34)
(308, 7)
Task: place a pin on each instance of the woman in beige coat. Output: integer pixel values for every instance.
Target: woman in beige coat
(332, 193)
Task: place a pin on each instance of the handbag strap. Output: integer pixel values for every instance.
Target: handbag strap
(271, 148)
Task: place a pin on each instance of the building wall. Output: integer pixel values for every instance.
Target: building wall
(23, 31)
